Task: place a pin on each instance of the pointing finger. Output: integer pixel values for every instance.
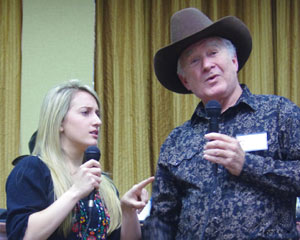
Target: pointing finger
(144, 183)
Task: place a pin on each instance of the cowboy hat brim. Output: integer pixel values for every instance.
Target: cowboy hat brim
(231, 28)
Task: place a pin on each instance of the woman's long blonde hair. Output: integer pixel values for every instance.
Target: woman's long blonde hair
(54, 108)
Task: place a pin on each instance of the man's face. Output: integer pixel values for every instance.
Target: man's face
(210, 71)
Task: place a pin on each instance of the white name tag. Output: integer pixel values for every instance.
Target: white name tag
(253, 142)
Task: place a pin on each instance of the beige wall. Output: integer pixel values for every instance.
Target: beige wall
(57, 45)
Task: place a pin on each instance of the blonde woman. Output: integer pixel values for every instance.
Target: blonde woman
(47, 192)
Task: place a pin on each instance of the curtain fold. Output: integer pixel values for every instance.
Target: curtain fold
(286, 23)
(10, 87)
(138, 112)
(120, 81)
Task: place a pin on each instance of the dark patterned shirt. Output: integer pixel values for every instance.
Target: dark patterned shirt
(189, 202)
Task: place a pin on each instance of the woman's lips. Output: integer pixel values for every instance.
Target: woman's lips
(94, 134)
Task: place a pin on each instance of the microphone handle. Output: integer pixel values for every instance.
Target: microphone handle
(92, 152)
(91, 199)
(214, 127)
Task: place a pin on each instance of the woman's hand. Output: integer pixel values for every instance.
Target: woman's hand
(137, 197)
(86, 178)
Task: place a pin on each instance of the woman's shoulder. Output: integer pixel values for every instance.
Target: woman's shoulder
(30, 161)
(31, 167)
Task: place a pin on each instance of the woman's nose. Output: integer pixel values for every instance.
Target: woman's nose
(97, 120)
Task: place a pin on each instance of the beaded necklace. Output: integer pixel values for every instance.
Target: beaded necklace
(97, 229)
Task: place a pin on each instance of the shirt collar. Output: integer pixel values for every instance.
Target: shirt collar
(246, 100)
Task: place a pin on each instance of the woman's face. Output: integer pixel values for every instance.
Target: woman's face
(80, 127)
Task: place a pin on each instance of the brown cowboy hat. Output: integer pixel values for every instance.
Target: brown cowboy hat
(189, 26)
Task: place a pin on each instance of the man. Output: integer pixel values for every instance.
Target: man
(242, 182)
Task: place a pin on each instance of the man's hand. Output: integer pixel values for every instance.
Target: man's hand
(226, 151)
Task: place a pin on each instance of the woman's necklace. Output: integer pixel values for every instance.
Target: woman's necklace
(92, 227)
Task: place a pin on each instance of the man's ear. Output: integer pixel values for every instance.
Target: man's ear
(236, 63)
(184, 81)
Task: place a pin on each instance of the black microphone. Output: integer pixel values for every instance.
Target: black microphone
(213, 111)
(92, 152)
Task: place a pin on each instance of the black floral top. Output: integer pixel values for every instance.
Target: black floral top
(29, 189)
(258, 204)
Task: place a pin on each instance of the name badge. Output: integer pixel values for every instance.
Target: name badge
(253, 142)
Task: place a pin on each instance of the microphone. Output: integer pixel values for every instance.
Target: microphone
(213, 111)
(92, 152)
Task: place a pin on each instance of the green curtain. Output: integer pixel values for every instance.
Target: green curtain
(10, 89)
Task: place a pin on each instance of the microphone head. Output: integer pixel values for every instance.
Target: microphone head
(213, 109)
(92, 152)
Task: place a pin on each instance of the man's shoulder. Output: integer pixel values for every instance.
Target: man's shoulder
(181, 129)
(274, 101)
